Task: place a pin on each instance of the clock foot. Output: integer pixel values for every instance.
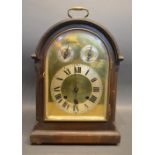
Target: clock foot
(57, 133)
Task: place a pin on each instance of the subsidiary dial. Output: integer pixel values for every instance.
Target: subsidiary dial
(89, 53)
(65, 53)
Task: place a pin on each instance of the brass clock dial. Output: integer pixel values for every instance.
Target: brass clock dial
(76, 88)
(76, 77)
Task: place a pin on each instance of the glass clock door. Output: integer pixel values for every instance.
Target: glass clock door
(76, 77)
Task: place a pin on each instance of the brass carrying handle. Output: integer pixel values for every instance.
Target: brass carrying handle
(78, 8)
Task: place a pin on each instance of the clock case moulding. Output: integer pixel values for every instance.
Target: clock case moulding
(70, 132)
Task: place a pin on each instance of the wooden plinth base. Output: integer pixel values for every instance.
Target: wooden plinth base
(61, 133)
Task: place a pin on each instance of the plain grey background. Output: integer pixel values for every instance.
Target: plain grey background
(116, 16)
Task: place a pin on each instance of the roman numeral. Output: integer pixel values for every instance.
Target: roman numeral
(59, 78)
(58, 96)
(96, 89)
(87, 72)
(86, 105)
(93, 79)
(77, 69)
(65, 105)
(57, 89)
(75, 108)
(67, 71)
(93, 98)
(60, 101)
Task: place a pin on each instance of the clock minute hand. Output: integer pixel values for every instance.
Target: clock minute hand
(75, 90)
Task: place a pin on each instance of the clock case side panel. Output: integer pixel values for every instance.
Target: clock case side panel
(40, 55)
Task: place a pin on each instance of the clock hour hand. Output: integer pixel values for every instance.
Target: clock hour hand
(76, 89)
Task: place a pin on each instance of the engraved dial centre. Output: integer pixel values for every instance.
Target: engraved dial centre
(74, 87)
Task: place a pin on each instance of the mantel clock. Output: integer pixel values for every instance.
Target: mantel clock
(76, 65)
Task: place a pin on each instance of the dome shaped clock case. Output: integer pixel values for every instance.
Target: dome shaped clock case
(76, 64)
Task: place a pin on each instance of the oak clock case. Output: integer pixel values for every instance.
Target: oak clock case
(76, 65)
